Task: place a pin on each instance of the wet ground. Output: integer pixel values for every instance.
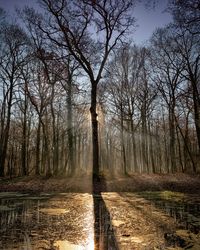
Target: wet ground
(46, 221)
(106, 220)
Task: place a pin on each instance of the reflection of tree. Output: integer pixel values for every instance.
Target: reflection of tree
(29, 225)
(104, 236)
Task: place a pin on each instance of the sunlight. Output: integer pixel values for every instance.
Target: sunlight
(90, 246)
(89, 220)
(66, 245)
(86, 242)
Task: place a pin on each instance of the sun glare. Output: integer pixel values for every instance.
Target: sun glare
(90, 246)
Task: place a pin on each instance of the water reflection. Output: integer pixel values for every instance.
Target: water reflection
(65, 221)
(104, 236)
(47, 222)
(184, 208)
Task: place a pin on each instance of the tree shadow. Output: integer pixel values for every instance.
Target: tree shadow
(104, 237)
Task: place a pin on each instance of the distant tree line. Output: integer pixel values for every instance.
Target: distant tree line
(56, 80)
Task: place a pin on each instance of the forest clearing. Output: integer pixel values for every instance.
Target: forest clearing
(137, 212)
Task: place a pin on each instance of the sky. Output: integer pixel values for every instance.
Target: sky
(148, 19)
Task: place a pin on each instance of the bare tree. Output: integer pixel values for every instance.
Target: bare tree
(12, 54)
(122, 87)
(129, 101)
(69, 26)
(186, 14)
(168, 71)
(189, 51)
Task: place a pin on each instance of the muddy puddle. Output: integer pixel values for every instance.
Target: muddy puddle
(184, 208)
(73, 221)
(46, 221)
(154, 220)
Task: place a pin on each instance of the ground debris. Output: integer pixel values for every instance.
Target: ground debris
(183, 239)
(179, 182)
(143, 224)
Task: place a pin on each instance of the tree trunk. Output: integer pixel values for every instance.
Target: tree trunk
(95, 142)
(24, 139)
(196, 98)
(54, 137)
(136, 167)
(186, 147)
(47, 158)
(153, 168)
(144, 138)
(3, 150)
(70, 126)
(3, 119)
(123, 150)
(37, 163)
(172, 138)
(196, 113)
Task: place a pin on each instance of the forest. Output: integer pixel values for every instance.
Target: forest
(99, 136)
(75, 66)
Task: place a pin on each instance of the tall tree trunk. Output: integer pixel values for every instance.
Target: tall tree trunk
(24, 139)
(123, 151)
(38, 143)
(54, 137)
(153, 168)
(3, 121)
(172, 138)
(24, 149)
(136, 167)
(144, 138)
(193, 76)
(4, 145)
(70, 126)
(95, 142)
(186, 146)
(47, 157)
(196, 101)
(166, 147)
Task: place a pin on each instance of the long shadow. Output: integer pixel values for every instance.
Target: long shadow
(104, 237)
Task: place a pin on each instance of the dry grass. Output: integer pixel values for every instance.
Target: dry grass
(137, 182)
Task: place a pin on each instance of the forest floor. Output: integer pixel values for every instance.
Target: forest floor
(137, 212)
(178, 182)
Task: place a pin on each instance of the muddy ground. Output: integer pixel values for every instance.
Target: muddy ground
(142, 212)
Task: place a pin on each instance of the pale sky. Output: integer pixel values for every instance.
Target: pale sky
(147, 19)
(150, 19)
